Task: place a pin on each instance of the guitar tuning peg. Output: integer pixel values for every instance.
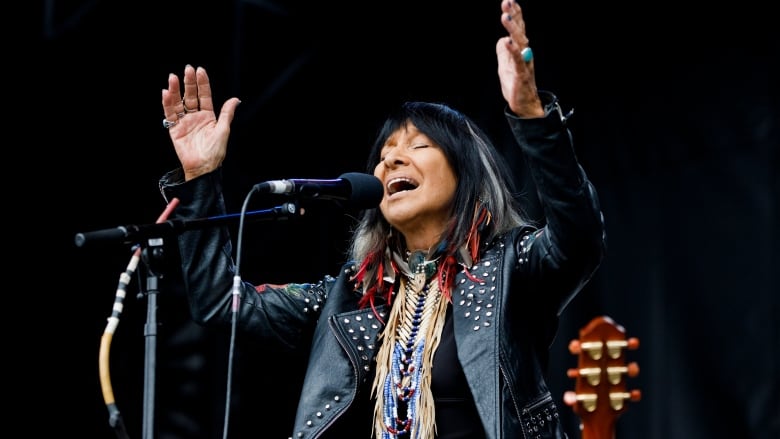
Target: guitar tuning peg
(593, 348)
(617, 399)
(615, 373)
(570, 398)
(588, 401)
(574, 347)
(633, 369)
(592, 374)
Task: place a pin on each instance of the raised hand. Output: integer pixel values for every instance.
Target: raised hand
(199, 137)
(516, 64)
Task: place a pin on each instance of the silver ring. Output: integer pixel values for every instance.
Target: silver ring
(527, 54)
(167, 123)
(187, 110)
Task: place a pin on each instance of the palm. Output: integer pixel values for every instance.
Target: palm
(200, 142)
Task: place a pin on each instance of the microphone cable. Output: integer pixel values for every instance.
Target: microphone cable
(284, 210)
(236, 300)
(115, 417)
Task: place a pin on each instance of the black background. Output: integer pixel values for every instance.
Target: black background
(676, 122)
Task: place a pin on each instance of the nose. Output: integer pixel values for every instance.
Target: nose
(395, 157)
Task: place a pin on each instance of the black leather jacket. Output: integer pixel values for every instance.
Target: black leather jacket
(503, 325)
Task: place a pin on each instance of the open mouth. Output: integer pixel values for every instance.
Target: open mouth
(397, 185)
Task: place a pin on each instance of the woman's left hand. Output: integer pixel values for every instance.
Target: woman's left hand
(516, 64)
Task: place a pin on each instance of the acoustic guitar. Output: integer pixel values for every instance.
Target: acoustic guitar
(601, 394)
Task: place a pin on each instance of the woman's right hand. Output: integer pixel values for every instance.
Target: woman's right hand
(199, 137)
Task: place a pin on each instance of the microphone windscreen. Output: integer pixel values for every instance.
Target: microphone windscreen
(367, 190)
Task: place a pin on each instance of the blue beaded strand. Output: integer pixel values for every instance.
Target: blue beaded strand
(406, 362)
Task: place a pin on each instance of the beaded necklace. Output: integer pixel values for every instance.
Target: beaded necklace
(402, 386)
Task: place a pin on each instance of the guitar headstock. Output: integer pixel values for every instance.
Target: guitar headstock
(601, 393)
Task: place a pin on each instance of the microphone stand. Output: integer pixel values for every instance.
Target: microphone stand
(151, 238)
(131, 234)
(152, 256)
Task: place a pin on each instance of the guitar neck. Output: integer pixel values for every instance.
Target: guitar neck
(603, 430)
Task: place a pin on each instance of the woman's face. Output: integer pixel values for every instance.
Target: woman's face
(419, 187)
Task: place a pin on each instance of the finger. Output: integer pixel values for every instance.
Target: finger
(504, 47)
(190, 101)
(171, 99)
(512, 20)
(204, 90)
(506, 6)
(227, 113)
(512, 8)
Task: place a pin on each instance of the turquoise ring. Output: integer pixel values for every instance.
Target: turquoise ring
(527, 54)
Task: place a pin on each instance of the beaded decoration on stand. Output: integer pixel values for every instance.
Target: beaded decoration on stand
(404, 403)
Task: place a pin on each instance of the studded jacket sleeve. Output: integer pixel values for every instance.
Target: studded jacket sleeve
(284, 313)
(571, 245)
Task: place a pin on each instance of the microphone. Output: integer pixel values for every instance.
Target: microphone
(363, 191)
